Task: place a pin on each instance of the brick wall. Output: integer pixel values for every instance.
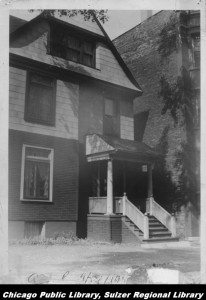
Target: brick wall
(65, 179)
(104, 228)
(139, 49)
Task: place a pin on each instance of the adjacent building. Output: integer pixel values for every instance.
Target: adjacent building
(163, 53)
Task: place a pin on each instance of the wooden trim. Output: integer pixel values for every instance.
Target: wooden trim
(63, 74)
(53, 101)
(77, 34)
(51, 161)
(51, 19)
(105, 39)
(119, 58)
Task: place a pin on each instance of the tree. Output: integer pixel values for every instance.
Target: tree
(89, 14)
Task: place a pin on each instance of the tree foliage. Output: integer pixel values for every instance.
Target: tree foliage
(101, 15)
(169, 37)
(179, 95)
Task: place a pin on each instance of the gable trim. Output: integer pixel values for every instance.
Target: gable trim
(30, 64)
(119, 58)
(104, 38)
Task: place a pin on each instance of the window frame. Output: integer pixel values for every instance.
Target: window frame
(23, 160)
(115, 117)
(81, 39)
(195, 50)
(33, 120)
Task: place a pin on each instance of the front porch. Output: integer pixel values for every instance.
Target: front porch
(122, 169)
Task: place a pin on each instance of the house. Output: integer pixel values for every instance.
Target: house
(165, 48)
(74, 166)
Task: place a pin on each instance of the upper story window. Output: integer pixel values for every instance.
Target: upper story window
(196, 50)
(37, 173)
(71, 47)
(40, 99)
(111, 118)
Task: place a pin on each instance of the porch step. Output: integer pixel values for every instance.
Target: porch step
(157, 231)
(160, 240)
(138, 234)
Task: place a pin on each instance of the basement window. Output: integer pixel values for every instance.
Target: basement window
(36, 174)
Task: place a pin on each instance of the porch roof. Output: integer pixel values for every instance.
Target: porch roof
(101, 147)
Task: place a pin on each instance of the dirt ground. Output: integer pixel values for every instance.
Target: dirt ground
(96, 263)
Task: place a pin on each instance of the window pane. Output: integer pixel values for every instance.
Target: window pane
(109, 107)
(88, 48)
(58, 50)
(73, 42)
(37, 152)
(197, 58)
(108, 126)
(41, 80)
(36, 180)
(197, 42)
(73, 55)
(40, 103)
(87, 60)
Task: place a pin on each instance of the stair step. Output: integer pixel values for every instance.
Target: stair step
(160, 234)
(159, 228)
(160, 240)
(154, 222)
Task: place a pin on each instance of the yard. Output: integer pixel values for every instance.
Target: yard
(89, 262)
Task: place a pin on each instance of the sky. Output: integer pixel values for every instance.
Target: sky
(119, 20)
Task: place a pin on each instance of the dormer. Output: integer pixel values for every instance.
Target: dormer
(72, 45)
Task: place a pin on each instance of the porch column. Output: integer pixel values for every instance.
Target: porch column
(98, 179)
(150, 183)
(109, 187)
(149, 189)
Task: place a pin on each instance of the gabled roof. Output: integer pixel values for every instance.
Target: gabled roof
(15, 23)
(104, 37)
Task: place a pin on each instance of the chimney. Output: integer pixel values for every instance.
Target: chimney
(145, 14)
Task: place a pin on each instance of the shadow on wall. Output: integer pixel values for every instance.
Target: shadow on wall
(165, 191)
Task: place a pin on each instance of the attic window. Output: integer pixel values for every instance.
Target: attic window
(72, 47)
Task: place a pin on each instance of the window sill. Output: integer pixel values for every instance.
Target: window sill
(39, 123)
(74, 62)
(36, 201)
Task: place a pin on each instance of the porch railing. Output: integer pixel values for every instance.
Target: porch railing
(136, 216)
(98, 205)
(163, 216)
(124, 206)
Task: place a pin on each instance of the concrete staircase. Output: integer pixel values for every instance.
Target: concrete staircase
(157, 231)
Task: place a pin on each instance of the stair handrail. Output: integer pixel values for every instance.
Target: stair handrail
(163, 216)
(136, 216)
